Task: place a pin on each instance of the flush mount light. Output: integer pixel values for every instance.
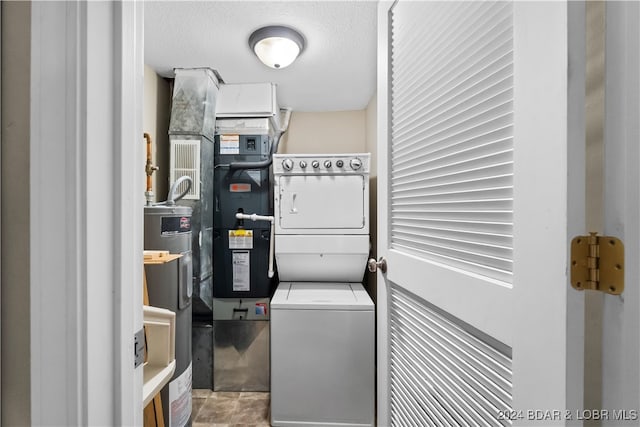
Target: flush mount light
(276, 46)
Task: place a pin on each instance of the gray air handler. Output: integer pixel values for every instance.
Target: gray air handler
(248, 132)
(241, 247)
(169, 284)
(242, 283)
(191, 140)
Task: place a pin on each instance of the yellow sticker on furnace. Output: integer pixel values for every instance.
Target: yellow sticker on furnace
(240, 239)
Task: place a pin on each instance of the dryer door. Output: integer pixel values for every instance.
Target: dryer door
(322, 202)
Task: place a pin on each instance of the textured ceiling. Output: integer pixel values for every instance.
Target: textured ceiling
(336, 71)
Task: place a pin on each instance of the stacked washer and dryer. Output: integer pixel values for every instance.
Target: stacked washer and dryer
(322, 319)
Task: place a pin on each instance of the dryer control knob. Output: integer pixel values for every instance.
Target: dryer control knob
(287, 164)
(327, 164)
(315, 164)
(339, 163)
(303, 164)
(355, 164)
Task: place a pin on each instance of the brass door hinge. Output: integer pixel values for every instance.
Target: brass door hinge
(597, 263)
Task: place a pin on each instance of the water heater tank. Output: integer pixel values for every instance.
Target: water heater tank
(170, 285)
(167, 228)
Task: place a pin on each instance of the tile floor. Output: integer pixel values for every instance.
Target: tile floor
(230, 409)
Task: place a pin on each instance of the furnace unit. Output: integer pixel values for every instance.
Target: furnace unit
(247, 135)
(241, 247)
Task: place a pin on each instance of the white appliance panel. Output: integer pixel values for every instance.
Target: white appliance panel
(322, 202)
(325, 164)
(321, 296)
(317, 258)
(248, 100)
(322, 365)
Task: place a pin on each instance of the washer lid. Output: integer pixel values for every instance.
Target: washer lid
(321, 296)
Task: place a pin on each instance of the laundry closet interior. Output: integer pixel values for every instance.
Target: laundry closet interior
(261, 182)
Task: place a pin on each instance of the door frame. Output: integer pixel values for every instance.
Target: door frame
(86, 198)
(382, 291)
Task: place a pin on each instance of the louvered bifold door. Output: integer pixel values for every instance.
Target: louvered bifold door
(452, 134)
(443, 372)
(450, 211)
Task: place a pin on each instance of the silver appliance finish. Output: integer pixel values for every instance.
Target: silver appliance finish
(170, 286)
(241, 344)
(241, 355)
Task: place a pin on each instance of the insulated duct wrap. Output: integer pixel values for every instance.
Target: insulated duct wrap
(193, 110)
(193, 117)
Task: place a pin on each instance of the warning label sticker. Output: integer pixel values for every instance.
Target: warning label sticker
(229, 144)
(180, 399)
(240, 239)
(241, 271)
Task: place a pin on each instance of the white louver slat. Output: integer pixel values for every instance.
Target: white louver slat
(451, 80)
(442, 372)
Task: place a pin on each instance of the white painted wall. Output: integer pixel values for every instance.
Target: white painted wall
(326, 132)
(156, 115)
(371, 136)
(16, 39)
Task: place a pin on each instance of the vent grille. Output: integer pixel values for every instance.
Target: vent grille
(185, 160)
(443, 372)
(452, 134)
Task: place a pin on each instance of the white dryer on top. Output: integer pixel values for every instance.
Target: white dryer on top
(321, 216)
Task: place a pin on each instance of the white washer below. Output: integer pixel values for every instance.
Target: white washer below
(322, 355)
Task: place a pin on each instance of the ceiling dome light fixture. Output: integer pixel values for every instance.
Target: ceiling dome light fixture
(276, 46)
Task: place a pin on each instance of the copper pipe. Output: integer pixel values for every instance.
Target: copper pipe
(149, 167)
